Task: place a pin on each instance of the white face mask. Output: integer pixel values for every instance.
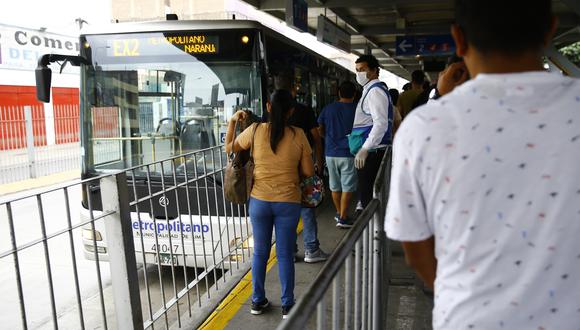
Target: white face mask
(361, 78)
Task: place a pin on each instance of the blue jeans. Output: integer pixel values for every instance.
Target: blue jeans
(284, 218)
(309, 229)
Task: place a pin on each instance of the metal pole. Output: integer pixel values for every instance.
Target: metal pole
(30, 141)
(121, 252)
(348, 293)
(321, 315)
(364, 272)
(17, 267)
(335, 303)
(357, 283)
(378, 281)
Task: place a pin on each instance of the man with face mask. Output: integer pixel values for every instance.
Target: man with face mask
(372, 127)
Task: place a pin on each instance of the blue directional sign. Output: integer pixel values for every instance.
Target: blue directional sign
(428, 45)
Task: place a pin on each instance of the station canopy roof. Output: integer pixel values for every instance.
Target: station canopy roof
(374, 25)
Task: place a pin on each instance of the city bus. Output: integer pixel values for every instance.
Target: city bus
(154, 90)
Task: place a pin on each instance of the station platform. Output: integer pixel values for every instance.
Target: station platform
(408, 306)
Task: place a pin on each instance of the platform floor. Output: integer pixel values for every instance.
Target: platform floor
(408, 307)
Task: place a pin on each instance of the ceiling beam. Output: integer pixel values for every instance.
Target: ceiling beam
(392, 30)
(343, 15)
(372, 3)
(281, 4)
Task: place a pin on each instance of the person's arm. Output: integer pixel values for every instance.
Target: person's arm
(396, 120)
(421, 257)
(318, 151)
(321, 120)
(306, 163)
(321, 131)
(230, 144)
(407, 216)
(312, 125)
(453, 76)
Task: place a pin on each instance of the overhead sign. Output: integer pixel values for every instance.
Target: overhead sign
(330, 33)
(428, 45)
(20, 47)
(297, 14)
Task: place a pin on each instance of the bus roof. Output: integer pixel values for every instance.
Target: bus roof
(156, 26)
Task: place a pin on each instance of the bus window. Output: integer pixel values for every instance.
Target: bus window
(151, 96)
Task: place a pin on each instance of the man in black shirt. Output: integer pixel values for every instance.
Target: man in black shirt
(305, 118)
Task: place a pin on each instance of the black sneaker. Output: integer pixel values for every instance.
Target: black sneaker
(259, 308)
(286, 311)
(344, 223)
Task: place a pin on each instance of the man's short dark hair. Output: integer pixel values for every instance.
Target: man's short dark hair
(370, 60)
(418, 77)
(510, 27)
(284, 80)
(346, 90)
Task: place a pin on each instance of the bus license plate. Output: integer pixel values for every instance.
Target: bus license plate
(165, 259)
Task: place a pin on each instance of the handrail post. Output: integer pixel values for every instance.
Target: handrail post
(378, 281)
(121, 252)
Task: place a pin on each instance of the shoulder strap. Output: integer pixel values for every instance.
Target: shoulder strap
(379, 84)
(234, 138)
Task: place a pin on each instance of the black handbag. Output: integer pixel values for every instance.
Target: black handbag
(239, 173)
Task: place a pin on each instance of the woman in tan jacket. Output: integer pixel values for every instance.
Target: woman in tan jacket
(282, 155)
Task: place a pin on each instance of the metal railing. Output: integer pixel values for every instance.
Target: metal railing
(364, 299)
(25, 150)
(174, 248)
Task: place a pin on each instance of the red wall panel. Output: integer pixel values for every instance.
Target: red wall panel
(66, 114)
(12, 121)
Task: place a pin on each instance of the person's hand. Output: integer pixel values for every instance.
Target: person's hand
(453, 76)
(239, 115)
(318, 168)
(360, 158)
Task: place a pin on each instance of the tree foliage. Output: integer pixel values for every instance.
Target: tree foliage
(572, 52)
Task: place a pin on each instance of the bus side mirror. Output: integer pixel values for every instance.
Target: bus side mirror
(44, 74)
(43, 82)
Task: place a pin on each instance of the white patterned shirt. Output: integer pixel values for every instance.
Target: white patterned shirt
(492, 171)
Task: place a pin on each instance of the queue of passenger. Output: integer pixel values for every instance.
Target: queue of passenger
(484, 187)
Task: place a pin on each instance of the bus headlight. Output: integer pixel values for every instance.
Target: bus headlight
(88, 235)
(100, 249)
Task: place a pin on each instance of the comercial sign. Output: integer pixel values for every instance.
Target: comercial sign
(20, 48)
(330, 33)
(297, 14)
(428, 45)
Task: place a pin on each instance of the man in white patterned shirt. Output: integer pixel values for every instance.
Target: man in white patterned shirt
(485, 191)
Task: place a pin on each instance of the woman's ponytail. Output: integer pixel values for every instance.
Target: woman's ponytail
(281, 103)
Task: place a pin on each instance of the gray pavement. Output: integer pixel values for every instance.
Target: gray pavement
(35, 283)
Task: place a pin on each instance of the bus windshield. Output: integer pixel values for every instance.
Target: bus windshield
(150, 96)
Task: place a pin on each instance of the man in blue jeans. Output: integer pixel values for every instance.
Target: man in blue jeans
(304, 117)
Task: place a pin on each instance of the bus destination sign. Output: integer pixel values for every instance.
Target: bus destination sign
(158, 45)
